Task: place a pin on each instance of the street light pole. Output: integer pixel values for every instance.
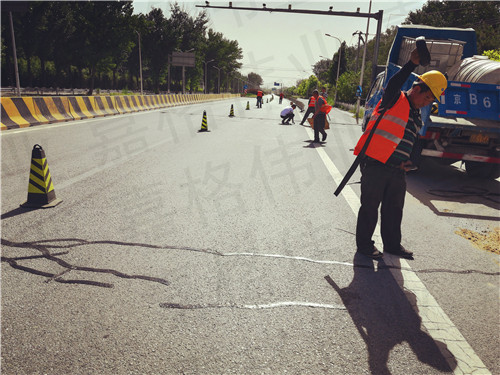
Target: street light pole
(218, 85)
(205, 84)
(338, 65)
(363, 64)
(140, 58)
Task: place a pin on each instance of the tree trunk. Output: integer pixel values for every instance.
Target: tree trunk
(92, 79)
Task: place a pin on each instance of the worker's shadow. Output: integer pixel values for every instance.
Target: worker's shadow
(384, 317)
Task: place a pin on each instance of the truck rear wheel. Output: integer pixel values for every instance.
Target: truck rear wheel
(482, 170)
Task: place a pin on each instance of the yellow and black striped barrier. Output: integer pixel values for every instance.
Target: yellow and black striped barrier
(30, 111)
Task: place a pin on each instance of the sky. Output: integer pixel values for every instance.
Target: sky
(283, 47)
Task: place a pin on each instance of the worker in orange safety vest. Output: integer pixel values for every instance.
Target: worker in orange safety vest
(260, 94)
(310, 109)
(387, 157)
(321, 109)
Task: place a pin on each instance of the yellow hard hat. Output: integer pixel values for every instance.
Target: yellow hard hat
(436, 81)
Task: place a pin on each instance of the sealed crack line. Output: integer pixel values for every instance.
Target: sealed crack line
(169, 305)
(286, 257)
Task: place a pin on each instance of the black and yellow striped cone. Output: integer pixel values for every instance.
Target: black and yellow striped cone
(204, 126)
(231, 113)
(41, 192)
(248, 105)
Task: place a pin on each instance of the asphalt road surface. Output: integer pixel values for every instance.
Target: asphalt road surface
(226, 252)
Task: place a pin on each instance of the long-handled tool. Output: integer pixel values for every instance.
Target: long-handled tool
(360, 156)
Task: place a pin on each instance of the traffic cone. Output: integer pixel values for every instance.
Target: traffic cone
(41, 192)
(267, 100)
(204, 126)
(248, 105)
(231, 113)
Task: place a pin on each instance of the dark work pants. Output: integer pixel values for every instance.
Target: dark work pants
(386, 186)
(319, 126)
(287, 118)
(306, 115)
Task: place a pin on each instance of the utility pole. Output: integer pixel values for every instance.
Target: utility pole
(360, 38)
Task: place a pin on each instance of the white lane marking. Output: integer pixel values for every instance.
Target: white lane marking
(457, 352)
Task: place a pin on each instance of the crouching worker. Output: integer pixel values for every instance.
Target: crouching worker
(287, 115)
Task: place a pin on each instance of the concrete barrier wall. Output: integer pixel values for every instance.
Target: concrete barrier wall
(30, 111)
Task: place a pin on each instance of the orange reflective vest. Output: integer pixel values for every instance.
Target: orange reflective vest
(259, 93)
(325, 108)
(312, 101)
(389, 132)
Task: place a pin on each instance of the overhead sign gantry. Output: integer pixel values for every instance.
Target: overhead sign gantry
(377, 16)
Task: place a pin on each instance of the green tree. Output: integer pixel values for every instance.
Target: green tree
(191, 36)
(306, 87)
(493, 54)
(160, 39)
(102, 32)
(225, 54)
(321, 69)
(347, 87)
(255, 80)
(332, 71)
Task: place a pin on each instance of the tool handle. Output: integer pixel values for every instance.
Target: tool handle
(360, 156)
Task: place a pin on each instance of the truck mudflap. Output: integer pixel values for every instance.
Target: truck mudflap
(458, 156)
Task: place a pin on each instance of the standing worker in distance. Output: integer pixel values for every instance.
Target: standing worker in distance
(323, 93)
(320, 110)
(387, 158)
(259, 98)
(310, 109)
(281, 97)
(287, 115)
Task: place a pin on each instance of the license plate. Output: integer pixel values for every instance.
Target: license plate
(479, 138)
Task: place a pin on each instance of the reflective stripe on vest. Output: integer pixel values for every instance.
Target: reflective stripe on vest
(312, 102)
(390, 131)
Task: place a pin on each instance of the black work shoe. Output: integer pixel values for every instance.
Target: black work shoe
(401, 252)
(373, 253)
(324, 137)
